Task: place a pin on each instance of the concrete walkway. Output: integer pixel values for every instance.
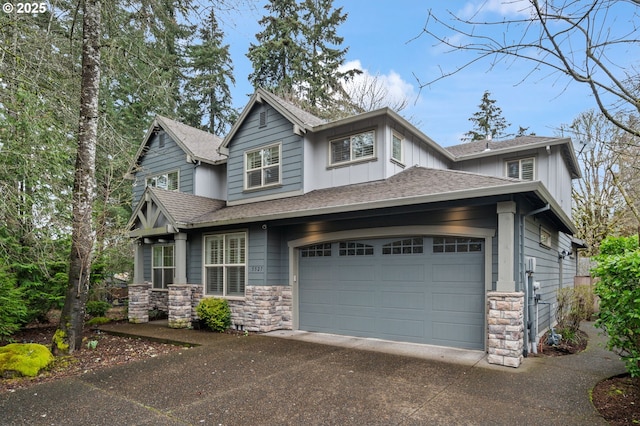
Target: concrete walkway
(267, 380)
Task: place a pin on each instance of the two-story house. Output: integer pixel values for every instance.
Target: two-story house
(362, 226)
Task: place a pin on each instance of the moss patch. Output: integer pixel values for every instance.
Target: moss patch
(25, 359)
(58, 341)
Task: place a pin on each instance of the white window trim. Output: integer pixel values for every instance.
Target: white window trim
(351, 160)
(520, 160)
(400, 160)
(162, 267)
(224, 265)
(245, 171)
(177, 172)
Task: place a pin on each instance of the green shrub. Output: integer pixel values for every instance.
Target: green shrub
(97, 308)
(619, 292)
(574, 306)
(215, 313)
(26, 359)
(12, 309)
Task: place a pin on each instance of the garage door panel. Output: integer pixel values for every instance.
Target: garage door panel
(403, 300)
(458, 303)
(459, 335)
(422, 297)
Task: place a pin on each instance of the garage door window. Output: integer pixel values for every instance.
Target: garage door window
(350, 248)
(317, 250)
(406, 246)
(457, 245)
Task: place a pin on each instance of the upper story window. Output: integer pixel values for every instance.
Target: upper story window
(262, 167)
(353, 148)
(396, 148)
(521, 169)
(168, 181)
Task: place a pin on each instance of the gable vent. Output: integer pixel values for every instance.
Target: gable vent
(263, 118)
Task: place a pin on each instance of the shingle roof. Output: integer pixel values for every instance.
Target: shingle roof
(476, 147)
(200, 144)
(413, 182)
(305, 117)
(185, 208)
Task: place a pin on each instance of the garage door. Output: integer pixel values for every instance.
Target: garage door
(417, 289)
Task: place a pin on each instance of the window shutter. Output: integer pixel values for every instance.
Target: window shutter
(527, 169)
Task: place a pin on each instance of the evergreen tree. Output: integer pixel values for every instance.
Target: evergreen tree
(321, 73)
(488, 121)
(207, 94)
(278, 55)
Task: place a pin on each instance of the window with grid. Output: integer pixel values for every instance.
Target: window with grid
(353, 148)
(396, 148)
(521, 169)
(405, 246)
(162, 266)
(168, 181)
(457, 244)
(262, 167)
(225, 264)
(316, 250)
(350, 248)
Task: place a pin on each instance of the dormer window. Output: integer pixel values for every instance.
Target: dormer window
(168, 181)
(353, 148)
(262, 167)
(522, 169)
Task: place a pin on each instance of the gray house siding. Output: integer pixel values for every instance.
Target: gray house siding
(163, 160)
(551, 169)
(551, 272)
(210, 181)
(249, 136)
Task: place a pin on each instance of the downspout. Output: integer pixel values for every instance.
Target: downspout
(525, 286)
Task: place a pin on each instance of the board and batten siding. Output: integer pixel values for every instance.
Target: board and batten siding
(415, 152)
(550, 169)
(163, 160)
(211, 181)
(251, 136)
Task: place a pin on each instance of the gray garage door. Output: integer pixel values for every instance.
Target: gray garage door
(412, 289)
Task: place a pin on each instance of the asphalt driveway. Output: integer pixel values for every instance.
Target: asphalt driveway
(263, 380)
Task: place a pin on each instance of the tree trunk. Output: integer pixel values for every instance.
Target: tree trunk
(68, 336)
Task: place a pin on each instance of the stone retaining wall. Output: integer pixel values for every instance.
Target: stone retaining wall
(506, 328)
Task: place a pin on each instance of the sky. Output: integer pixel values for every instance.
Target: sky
(384, 38)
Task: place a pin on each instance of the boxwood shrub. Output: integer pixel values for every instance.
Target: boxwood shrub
(215, 313)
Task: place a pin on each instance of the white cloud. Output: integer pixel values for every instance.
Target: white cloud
(396, 89)
(504, 8)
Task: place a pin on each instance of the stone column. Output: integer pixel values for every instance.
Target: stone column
(179, 305)
(139, 302)
(506, 246)
(506, 328)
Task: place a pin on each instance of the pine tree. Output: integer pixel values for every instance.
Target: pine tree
(321, 73)
(277, 57)
(207, 94)
(488, 122)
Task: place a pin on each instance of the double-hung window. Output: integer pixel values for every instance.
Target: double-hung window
(396, 148)
(522, 169)
(225, 264)
(353, 148)
(163, 266)
(168, 181)
(262, 167)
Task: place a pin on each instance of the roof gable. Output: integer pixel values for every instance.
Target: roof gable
(490, 148)
(302, 120)
(198, 144)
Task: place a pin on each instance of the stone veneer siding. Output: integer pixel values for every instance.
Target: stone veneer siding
(139, 302)
(180, 300)
(159, 299)
(506, 328)
(264, 308)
